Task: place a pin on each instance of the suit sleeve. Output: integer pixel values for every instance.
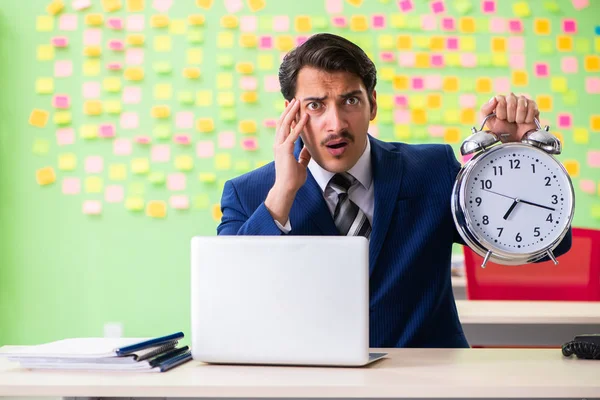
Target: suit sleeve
(453, 169)
(236, 221)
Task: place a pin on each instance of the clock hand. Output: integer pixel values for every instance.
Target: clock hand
(500, 194)
(512, 207)
(537, 205)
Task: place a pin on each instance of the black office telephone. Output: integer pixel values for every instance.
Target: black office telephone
(583, 346)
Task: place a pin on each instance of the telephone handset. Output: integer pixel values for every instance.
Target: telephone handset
(583, 346)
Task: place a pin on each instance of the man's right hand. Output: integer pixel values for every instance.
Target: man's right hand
(290, 173)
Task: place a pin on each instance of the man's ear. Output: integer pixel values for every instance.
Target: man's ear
(373, 105)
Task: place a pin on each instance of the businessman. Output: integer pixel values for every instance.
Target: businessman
(330, 177)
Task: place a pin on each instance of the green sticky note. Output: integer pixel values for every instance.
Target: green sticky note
(207, 177)
(499, 60)
(484, 60)
(320, 23)
(136, 188)
(196, 37)
(452, 59)
(545, 46)
(134, 203)
(420, 133)
(402, 132)
(570, 98)
(463, 6)
(434, 116)
(558, 84)
(227, 114)
(413, 22)
(156, 178)
(162, 67)
(201, 201)
(242, 166)
(583, 45)
(451, 100)
(482, 24)
(467, 85)
(225, 60)
(451, 116)
(398, 21)
(279, 106)
(422, 42)
(417, 101)
(551, 6)
(185, 97)
(265, 23)
(595, 211)
(162, 131)
(385, 117)
(385, 102)
(41, 146)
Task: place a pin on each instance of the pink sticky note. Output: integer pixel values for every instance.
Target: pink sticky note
(569, 65)
(81, 4)
(134, 56)
(67, 22)
(437, 60)
(466, 158)
(541, 69)
(402, 116)
(433, 82)
(132, 94)
(143, 139)
(91, 90)
(272, 83)
(249, 144)
(516, 44)
(387, 56)
(467, 101)
(163, 5)
(106, 130)
(60, 41)
(265, 42)
(184, 119)
(233, 6)
(378, 21)
(592, 85)
(281, 23)
(448, 24)
(182, 138)
(488, 6)
(270, 123)
(405, 5)
(468, 60)
(115, 23)
(205, 149)
(61, 101)
(587, 186)
(374, 131)
(436, 130)
(593, 158)
(114, 194)
(116, 45)
(122, 147)
(406, 59)
(516, 61)
(94, 164)
(92, 37)
(248, 83)
(428, 22)
(564, 120)
(300, 40)
(63, 68)
(515, 25)
(114, 66)
(248, 23)
(334, 6)
(580, 4)
(130, 120)
(92, 207)
(569, 26)
(502, 85)
(65, 136)
(176, 181)
(437, 6)
(452, 43)
(226, 140)
(135, 23)
(180, 202)
(339, 22)
(71, 185)
(497, 25)
(160, 153)
(400, 100)
(418, 83)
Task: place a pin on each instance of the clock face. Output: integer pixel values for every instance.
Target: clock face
(517, 199)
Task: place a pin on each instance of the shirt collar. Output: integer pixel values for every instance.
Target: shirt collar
(361, 170)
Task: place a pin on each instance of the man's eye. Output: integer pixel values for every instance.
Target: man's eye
(313, 106)
(352, 101)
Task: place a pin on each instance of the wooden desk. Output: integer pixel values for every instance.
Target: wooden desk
(406, 373)
(526, 323)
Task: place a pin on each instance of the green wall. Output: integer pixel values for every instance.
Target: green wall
(66, 273)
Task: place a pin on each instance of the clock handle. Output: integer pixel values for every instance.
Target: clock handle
(487, 257)
(551, 255)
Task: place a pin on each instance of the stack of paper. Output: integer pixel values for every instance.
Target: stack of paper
(108, 354)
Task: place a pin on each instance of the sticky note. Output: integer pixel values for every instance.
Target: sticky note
(55, 7)
(88, 131)
(592, 63)
(39, 118)
(45, 176)
(179, 202)
(483, 85)
(159, 21)
(156, 209)
(176, 181)
(225, 40)
(245, 68)
(467, 25)
(94, 164)
(134, 203)
(564, 43)
(113, 106)
(205, 149)
(302, 23)
(67, 22)
(81, 4)
(229, 21)
(115, 23)
(184, 119)
(541, 70)
(265, 42)
(122, 147)
(595, 123)
(41, 146)
(117, 172)
(135, 40)
(135, 5)
(544, 103)
(94, 19)
(196, 37)
(249, 144)
(134, 73)
(160, 153)
(65, 136)
(196, 19)
(205, 125)
(222, 162)
(71, 186)
(67, 162)
(45, 52)
(558, 84)
(132, 95)
(183, 139)
(207, 177)
(247, 126)
(106, 130)
(111, 84)
(226, 140)
(140, 166)
(92, 107)
(92, 51)
(519, 78)
(541, 26)
(44, 85)
(91, 207)
(592, 85)
(161, 111)
(157, 178)
(450, 84)
(130, 120)
(226, 99)
(44, 23)
(185, 97)
(111, 5)
(62, 117)
(359, 23)
(498, 44)
(162, 67)
(162, 43)
(184, 162)
(256, 5)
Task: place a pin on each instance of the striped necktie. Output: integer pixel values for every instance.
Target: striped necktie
(348, 217)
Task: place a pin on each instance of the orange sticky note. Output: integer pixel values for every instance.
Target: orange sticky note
(247, 126)
(437, 43)
(216, 212)
(134, 73)
(92, 107)
(135, 5)
(303, 23)
(135, 40)
(156, 209)
(450, 84)
(248, 40)
(39, 117)
(422, 60)
(111, 5)
(45, 176)
(284, 43)
(94, 19)
(206, 4)
(541, 26)
(205, 125)
(244, 68)
(404, 42)
(229, 21)
(419, 116)
(595, 123)
(401, 82)
(592, 63)
(466, 25)
(483, 85)
(451, 135)
(467, 116)
(249, 97)
(359, 23)
(564, 43)
(519, 78)
(434, 101)
(55, 7)
(256, 5)
(161, 111)
(544, 102)
(196, 19)
(92, 51)
(191, 72)
(498, 44)
(159, 21)
(572, 167)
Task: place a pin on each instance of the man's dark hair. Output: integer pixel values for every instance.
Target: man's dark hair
(329, 53)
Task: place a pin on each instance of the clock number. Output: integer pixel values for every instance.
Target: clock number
(500, 233)
(533, 166)
(518, 238)
(486, 184)
(554, 199)
(547, 181)
(515, 164)
(536, 231)
(549, 219)
(498, 170)
(486, 220)
(478, 201)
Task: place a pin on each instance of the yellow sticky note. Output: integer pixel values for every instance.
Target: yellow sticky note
(572, 167)
(355, 3)
(226, 99)
(483, 85)
(466, 25)
(134, 203)
(62, 117)
(206, 177)
(216, 212)
(284, 43)
(402, 132)
(387, 74)
(45, 176)
(191, 72)
(39, 117)
(204, 98)
(419, 116)
(564, 43)
(224, 80)
(92, 107)
(44, 23)
(55, 7)
(225, 40)
(437, 43)
(67, 162)
(265, 62)
(385, 42)
(111, 5)
(581, 136)
(434, 101)
(140, 166)
(196, 20)
(499, 60)
(44, 85)
(398, 21)
(222, 161)
(385, 102)
(206, 4)
(249, 97)
(519, 78)
(450, 84)
(45, 52)
(541, 26)
(184, 162)
(134, 73)
(558, 84)
(113, 106)
(498, 44)
(248, 40)
(467, 43)
(117, 172)
(159, 21)
(422, 60)
(404, 42)
(156, 209)
(256, 5)
(244, 68)
(229, 22)
(93, 184)
(94, 19)
(205, 125)
(303, 23)
(111, 84)
(135, 5)
(451, 135)
(161, 111)
(88, 131)
(162, 43)
(135, 40)
(359, 23)
(467, 116)
(592, 63)
(422, 42)
(194, 56)
(247, 126)
(595, 123)
(597, 45)
(521, 9)
(163, 91)
(401, 82)
(92, 51)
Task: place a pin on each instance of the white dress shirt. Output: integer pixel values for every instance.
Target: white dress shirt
(362, 193)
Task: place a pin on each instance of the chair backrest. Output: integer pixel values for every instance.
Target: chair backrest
(575, 278)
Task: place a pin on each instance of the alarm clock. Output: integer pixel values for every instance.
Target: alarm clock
(512, 203)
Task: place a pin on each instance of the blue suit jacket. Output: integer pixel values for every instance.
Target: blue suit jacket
(411, 299)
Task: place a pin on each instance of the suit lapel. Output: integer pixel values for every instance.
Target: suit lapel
(387, 176)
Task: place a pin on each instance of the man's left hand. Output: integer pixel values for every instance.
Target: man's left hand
(514, 116)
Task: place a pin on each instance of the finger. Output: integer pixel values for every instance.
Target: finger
(304, 157)
(488, 107)
(501, 107)
(521, 110)
(281, 132)
(531, 110)
(511, 108)
(297, 129)
(287, 121)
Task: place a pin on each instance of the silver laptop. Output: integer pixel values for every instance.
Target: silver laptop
(296, 300)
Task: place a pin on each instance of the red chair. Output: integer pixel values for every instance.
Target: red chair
(575, 278)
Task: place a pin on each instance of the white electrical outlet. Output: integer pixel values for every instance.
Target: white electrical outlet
(113, 330)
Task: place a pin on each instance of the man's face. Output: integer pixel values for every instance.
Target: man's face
(338, 116)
